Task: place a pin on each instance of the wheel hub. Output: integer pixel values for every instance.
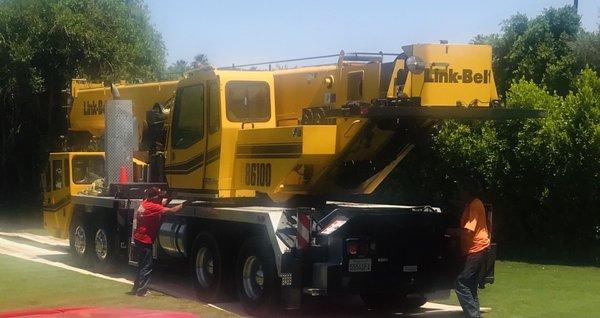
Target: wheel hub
(101, 245)
(253, 277)
(204, 267)
(79, 240)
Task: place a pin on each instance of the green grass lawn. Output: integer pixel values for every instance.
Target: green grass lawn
(535, 290)
(26, 284)
(521, 290)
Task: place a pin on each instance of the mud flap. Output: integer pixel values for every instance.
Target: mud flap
(291, 282)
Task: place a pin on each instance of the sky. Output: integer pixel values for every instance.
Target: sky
(252, 31)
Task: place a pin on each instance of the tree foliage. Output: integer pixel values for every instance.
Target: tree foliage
(537, 49)
(43, 45)
(586, 49)
(177, 69)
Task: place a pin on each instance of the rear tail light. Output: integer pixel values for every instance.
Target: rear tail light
(359, 247)
(352, 249)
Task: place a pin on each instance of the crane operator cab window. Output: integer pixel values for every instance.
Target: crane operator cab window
(355, 85)
(188, 118)
(67, 172)
(87, 169)
(248, 101)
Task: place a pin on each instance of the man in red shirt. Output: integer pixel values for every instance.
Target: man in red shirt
(475, 240)
(148, 218)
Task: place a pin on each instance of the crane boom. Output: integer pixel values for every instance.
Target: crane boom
(86, 112)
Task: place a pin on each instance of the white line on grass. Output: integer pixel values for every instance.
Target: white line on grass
(31, 253)
(46, 240)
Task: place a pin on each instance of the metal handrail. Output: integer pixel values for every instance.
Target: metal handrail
(341, 54)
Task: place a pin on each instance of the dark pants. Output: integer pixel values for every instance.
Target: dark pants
(144, 259)
(467, 282)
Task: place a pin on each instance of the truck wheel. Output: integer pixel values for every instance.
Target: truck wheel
(80, 241)
(256, 278)
(105, 249)
(389, 302)
(207, 264)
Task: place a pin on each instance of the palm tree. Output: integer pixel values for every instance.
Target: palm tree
(200, 60)
(178, 67)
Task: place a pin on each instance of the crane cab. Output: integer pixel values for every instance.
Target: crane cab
(70, 173)
(226, 139)
(211, 106)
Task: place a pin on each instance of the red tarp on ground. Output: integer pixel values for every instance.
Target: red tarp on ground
(93, 312)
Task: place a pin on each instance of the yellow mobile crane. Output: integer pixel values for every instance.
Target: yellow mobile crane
(71, 172)
(261, 155)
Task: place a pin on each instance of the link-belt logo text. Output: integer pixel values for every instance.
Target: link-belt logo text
(91, 108)
(466, 76)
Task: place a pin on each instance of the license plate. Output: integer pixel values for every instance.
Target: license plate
(359, 265)
(410, 268)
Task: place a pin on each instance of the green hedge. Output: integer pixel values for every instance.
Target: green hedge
(541, 175)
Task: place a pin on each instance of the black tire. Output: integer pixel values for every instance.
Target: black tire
(80, 241)
(105, 248)
(208, 265)
(259, 296)
(393, 302)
